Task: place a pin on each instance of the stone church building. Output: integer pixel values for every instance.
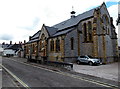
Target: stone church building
(90, 33)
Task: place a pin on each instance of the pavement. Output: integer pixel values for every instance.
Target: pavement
(108, 71)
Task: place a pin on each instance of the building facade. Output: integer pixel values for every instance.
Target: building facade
(90, 33)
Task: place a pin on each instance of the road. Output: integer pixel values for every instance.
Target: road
(0, 73)
(34, 76)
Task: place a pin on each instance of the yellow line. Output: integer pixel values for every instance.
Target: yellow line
(14, 76)
(74, 76)
(90, 80)
(11, 80)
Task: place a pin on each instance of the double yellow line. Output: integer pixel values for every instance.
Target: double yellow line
(14, 76)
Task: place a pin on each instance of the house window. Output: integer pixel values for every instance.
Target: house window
(42, 42)
(52, 45)
(27, 49)
(40, 45)
(90, 31)
(57, 45)
(33, 47)
(72, 43)
(85, 32)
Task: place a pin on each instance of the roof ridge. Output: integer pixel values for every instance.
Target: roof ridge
(35, 33)
(51, 27)
(77, 15)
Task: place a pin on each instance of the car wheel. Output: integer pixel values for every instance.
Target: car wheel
(78, 62)
(90, 63)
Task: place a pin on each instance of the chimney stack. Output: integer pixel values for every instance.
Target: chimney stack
(29, 37)
(24, 41)
(10, 42)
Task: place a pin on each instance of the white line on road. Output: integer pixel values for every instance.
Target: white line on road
(0, 69)
(73, 76)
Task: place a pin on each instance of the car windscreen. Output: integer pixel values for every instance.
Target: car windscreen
(90, 56)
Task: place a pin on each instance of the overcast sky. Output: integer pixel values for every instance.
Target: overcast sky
(20, 19)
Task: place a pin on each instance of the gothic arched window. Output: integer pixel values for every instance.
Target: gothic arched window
(72, 43)
(105, 19)
(85, 32)
(52, 45)
(90, 30)
(57, 45)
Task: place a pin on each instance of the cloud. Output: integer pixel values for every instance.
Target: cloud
(6, 37)
(22, 18)
(31, 26)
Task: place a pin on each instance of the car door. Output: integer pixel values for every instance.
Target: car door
(85, 59)
(82, 58)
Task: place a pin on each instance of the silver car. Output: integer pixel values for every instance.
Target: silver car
(88, 59)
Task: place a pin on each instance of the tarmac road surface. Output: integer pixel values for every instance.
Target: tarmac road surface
(33, 76)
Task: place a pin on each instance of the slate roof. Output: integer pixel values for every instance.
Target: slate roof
(5, 46)
(74, 20)
(35, 37)
(15, 47)
(60, 28)
(51, 30)
(63, 32)
(34, 40)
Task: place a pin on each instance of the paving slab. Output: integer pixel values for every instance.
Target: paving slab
(108, 71)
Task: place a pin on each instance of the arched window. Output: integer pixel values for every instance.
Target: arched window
(85, 32)
(33, 48)
(57, 45)
(42, 42)
(105, 19)
(90, 30)
(52, 45)
(72, 43)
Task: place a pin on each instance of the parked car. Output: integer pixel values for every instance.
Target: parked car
(89, 60)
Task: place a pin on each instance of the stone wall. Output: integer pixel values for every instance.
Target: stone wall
(53, 55)
(71, 55)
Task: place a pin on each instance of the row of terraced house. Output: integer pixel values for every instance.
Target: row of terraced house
(90, 33)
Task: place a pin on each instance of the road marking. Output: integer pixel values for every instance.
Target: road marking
(14, 76)
(11, 80)
(73, 76)
(0, 69)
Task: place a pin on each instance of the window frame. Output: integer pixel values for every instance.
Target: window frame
(57, 45)
(72, 43)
